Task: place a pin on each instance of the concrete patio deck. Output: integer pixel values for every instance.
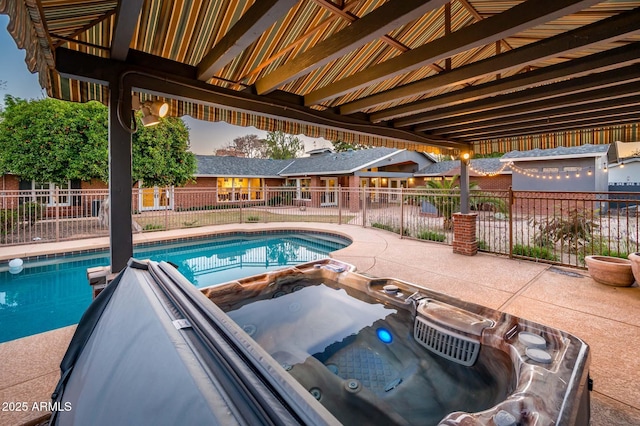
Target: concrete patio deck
(607, 318)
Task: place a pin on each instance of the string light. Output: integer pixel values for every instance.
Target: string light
(527, 173)
(551, 175)
(489, 174)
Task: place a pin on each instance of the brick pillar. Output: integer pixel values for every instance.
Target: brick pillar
(316, 195)
(354, 193)
(464, 234)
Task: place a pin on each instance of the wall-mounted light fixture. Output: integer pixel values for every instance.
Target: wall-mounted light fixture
(152, 111)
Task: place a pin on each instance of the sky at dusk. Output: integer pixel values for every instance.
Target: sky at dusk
(205, 137)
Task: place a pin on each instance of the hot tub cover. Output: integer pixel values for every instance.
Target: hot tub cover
(152, 349)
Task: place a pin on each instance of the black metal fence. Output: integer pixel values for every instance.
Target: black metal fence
(551, 227)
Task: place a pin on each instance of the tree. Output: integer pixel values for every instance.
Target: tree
(55, 141)
(281, 146)
(160, 154)
(444, 196)
(251, 145)
(340, 146)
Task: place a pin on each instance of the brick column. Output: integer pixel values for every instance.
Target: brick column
(354, 193)
(316, 194)
(464, 234)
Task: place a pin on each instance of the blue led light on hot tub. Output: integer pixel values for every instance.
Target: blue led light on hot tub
(384, 335)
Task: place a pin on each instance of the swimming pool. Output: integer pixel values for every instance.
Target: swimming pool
(54, 292)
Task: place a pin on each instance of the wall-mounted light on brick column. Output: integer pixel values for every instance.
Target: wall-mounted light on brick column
(464, 234)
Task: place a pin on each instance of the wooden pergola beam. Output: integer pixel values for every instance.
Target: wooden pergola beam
(605, 30)
(543, 116)
(523, 16)
(603, 61)
(549, 91)
(260, 16)
(527, 125)
(598, 95)
(375, 24)
(615, 120)
(127, 15)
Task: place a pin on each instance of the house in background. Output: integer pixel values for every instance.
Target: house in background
(237, 178)
(376, 168)
(487, 173)
(580, 168)
(624, 166)
(245, 179)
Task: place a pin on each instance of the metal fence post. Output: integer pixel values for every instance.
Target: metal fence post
(401, 212)
(511, 201)
(339, 205)
(166, 210)
(364, 206)
(57, 199)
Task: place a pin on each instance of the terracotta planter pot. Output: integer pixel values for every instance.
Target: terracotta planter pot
(635, 265)
(610, 270)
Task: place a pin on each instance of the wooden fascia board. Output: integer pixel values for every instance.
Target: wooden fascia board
(605, 30)
(371, 26)
(520, 17)
(260, 16)
(553, 157)
(84, 67)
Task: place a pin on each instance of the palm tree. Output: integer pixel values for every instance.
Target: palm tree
(444, 195)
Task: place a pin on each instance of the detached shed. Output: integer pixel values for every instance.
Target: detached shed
(580, 168)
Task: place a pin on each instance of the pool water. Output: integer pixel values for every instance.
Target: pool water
(54, 293)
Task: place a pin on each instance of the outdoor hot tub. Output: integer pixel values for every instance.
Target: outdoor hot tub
(384, 351)
(314, 344)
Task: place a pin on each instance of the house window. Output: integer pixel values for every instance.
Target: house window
(302, 185)
(239, 189)
(51, 194)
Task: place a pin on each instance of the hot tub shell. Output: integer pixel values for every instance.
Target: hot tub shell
(553, 389)
(153, 349)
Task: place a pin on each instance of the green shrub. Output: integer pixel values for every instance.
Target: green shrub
(601, 248)
(152, 227)
(8, 220)
(30, 212)
(483, 245)
(391, 228)
(383, 226)
(431, 236)
(534, 251)
(253, 219)
(574, 228)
